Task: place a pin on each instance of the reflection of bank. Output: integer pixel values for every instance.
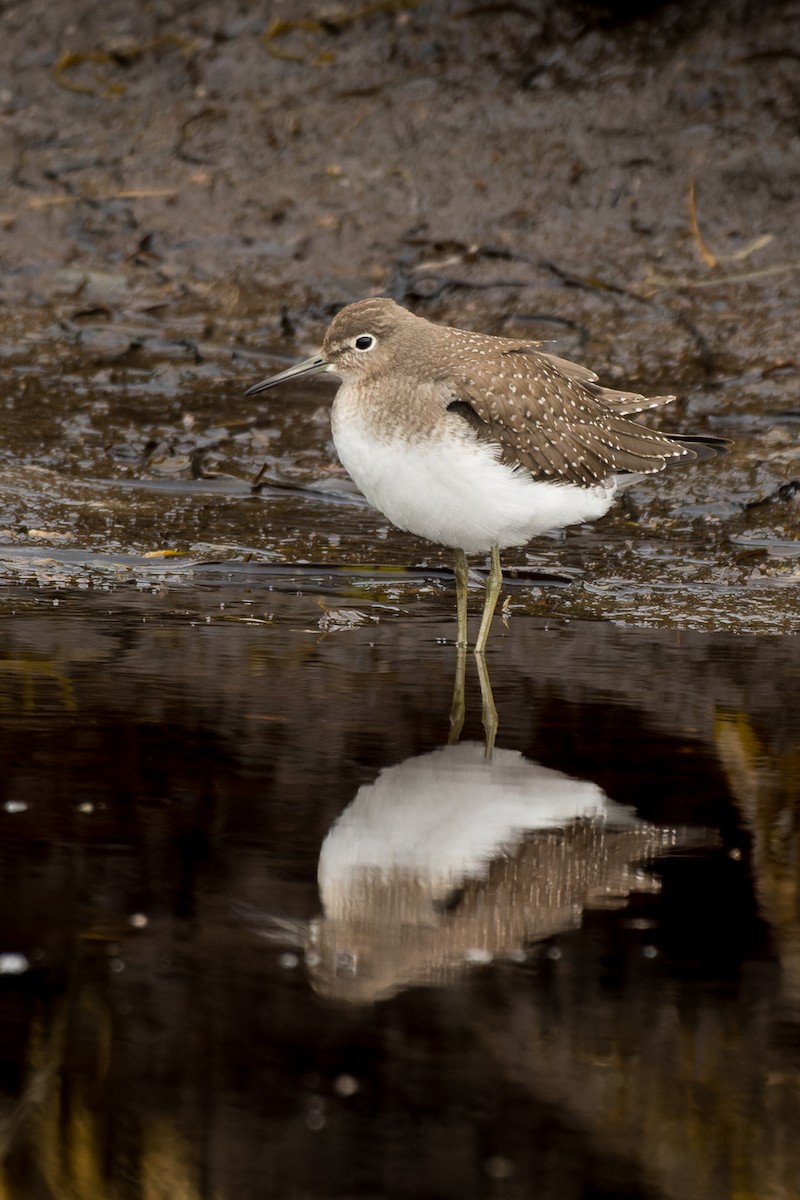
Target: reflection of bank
(763, 774)
(32, 687)
(451, 859)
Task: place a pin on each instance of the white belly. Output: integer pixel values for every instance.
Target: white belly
(455, 492)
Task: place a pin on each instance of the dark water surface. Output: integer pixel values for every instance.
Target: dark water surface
(469, 986)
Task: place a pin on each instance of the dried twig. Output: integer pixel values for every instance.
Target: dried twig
(279, 27)
(708, 258)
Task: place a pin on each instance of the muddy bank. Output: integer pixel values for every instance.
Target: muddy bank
(190, 190)
(179, 145)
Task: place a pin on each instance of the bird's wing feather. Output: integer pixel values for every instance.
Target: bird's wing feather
(552, 423)
(624, 403)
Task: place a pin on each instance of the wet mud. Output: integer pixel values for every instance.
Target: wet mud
(190, 191)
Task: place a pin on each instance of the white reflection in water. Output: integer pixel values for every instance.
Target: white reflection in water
(13, 964)
(450, 859)
(444, 815)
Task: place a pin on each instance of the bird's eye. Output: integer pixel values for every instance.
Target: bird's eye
(365, 342)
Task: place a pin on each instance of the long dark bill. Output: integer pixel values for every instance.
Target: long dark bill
(310, 366)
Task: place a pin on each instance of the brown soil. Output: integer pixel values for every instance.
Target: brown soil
(192, 188)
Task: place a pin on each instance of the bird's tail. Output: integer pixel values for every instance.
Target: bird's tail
(700, 445)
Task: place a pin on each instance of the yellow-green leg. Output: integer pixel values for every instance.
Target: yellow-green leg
(462, 573)
(459, 706)
(489, 715)
(494, 583)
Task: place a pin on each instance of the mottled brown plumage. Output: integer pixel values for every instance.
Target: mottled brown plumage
(477, 442)
(547, 415)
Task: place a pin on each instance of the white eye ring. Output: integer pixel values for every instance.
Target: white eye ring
(364, 342)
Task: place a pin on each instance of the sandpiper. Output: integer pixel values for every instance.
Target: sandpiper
(478, 442)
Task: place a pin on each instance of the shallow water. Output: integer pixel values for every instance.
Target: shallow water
(570, 971)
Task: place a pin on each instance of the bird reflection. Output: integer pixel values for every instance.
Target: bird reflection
(459, 857)
(458, 706)
(451, 859)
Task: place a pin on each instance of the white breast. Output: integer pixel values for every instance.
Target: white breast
(453, 490)
(443, 816)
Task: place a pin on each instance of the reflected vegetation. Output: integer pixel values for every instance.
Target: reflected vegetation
(265, 932)
(763, 773)
(27, 686)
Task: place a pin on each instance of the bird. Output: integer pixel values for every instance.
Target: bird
(476, 442)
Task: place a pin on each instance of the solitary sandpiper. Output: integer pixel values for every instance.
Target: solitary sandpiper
(478, 442)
